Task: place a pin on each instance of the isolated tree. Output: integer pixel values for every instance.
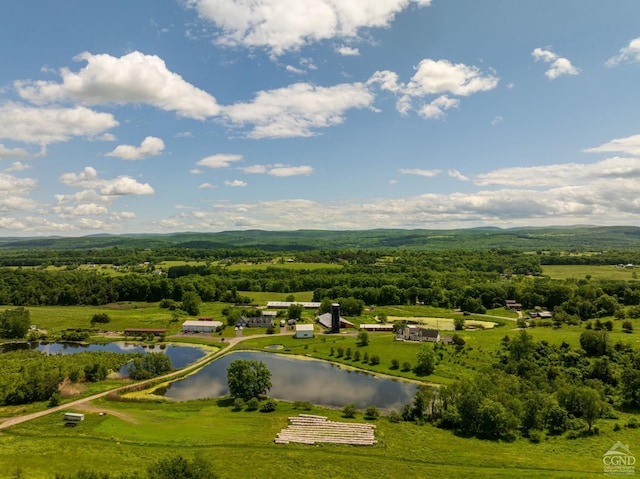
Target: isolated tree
(458, 323)
(350, 410)
(325, 305)
(248, 379)
(101, 318)
(371, 413)
(191, 303)
(425, 361)
(295, 311)
(363, 338)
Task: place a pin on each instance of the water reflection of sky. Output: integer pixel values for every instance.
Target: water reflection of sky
(294, 379)
(181, 356)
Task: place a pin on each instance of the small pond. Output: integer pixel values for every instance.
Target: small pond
(295, 379)
(181, 356)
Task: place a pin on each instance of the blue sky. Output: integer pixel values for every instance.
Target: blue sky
(213, 115)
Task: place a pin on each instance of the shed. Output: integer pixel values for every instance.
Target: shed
(304, 331)
(73, 417)
(191, 326)
(255, 322)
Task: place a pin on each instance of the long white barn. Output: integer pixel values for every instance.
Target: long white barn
(191, 326)
(286, 304)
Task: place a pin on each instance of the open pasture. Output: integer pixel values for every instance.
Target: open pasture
(130, 436)
(594, 271)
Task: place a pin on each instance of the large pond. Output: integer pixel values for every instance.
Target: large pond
(181, 356)
(295, 379)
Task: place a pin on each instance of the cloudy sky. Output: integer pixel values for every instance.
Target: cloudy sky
(211, 115)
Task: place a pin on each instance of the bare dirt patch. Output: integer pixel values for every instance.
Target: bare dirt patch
(119, 414)
(68, 389)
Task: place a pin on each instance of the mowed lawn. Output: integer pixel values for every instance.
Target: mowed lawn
(55, 319)
(241, 445)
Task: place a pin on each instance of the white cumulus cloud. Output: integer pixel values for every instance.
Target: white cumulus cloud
(18, 166)
(420, 172)
(629, 145)
(286, 25)
(439, 78)
(150, 146)
(89, 179)
(221, 160)
(235, 183)
(133, 78)
(51, 125)
(346, 51)
(436, 109)
(298, 110)
(12, 152)
(559, 66)
(628, 54)
(125, 185)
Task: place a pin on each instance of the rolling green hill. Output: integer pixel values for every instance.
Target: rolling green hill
(577, 238)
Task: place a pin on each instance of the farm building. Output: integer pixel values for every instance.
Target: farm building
(73, 417)
(304, 331)
(413, 332)
(325, 320)
(387, 328)
(255, 322)
(286, 304)
(511, 305)
(190, 326)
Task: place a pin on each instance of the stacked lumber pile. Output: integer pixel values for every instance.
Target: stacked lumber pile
(310, 429)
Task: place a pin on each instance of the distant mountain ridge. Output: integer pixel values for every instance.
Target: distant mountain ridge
(579, 238)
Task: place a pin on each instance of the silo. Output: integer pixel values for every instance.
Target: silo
(335, 318)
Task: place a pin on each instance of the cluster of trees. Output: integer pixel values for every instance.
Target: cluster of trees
(14, 323)
(535, 388)
(148, 366)
(27, 376)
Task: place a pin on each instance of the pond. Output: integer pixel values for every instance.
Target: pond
(295, 379)
(181, 356)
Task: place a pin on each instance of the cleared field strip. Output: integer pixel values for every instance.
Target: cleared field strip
(310, 429)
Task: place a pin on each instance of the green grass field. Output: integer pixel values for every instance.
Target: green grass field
(130, 436)
(582, 271)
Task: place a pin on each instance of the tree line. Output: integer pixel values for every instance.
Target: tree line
(471, 281)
